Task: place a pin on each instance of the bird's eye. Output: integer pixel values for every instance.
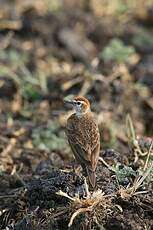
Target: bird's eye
(78, 103)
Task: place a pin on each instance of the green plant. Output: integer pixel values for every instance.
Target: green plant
(53, 6)
(13, 57)
(142, 38)
(15, 67)
(117, 51)
(123, 172)
(48, 138)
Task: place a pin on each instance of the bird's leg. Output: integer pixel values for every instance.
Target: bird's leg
(73, 166)
(76, 167)
(86, 188)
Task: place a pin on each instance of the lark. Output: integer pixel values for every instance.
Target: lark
(83, 136)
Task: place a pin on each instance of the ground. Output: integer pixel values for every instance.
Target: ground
(49, 51)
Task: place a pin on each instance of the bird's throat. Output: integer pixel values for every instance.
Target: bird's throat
(81, 114)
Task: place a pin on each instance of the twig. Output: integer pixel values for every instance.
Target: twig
(79, 211)
(147, 159)
(62, 212)
(128, 192)
(107, 165)
(65, 195)
(11, 25)
(130, 129)
(6, 41)
(9, 147)
(141, 179)
(16, 175)
(85, 205)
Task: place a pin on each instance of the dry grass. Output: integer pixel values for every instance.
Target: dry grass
(132, 190)
(87, 204)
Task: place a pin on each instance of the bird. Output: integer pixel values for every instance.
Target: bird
(84, 137)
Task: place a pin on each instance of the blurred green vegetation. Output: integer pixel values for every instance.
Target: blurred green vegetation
(124, 172)
(49, 138)
(142, 38)
(14, 65)
(118, 52)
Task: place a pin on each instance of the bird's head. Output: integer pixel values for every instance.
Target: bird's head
(80, 104)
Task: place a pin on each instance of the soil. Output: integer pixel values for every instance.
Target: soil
(46, 54)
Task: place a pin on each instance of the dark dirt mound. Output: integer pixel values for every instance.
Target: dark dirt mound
(103, 51)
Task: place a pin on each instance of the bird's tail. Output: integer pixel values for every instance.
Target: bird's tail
(92, 177)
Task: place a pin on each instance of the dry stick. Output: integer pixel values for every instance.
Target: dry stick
(6, 217)
(149, 153)
(56, 215)
(9, 147)
(130, 129)
(131, 134)
(65, 195)
(7, 196)
(96, 199)
(148, 100)
(107, 165)
(139, 181)
(6, 41)
(9, 24)
(86, 87)
(12, 143)
(136, 158)
(67, 85)
(90, 79)
(138, 149)
(132, 137)
(16, 175)
(80, 210)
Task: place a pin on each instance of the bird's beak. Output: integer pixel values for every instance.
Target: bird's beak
(71, 102)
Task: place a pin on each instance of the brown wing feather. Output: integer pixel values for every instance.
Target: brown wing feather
(95, 156)
(80, 154)
(83, 136)
(81, 151)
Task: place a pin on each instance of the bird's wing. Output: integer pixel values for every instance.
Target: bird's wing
(84, 151)
(95, 155)
(81, 152)
(95, 145)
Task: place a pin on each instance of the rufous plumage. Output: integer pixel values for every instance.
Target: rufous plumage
(83, 136)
